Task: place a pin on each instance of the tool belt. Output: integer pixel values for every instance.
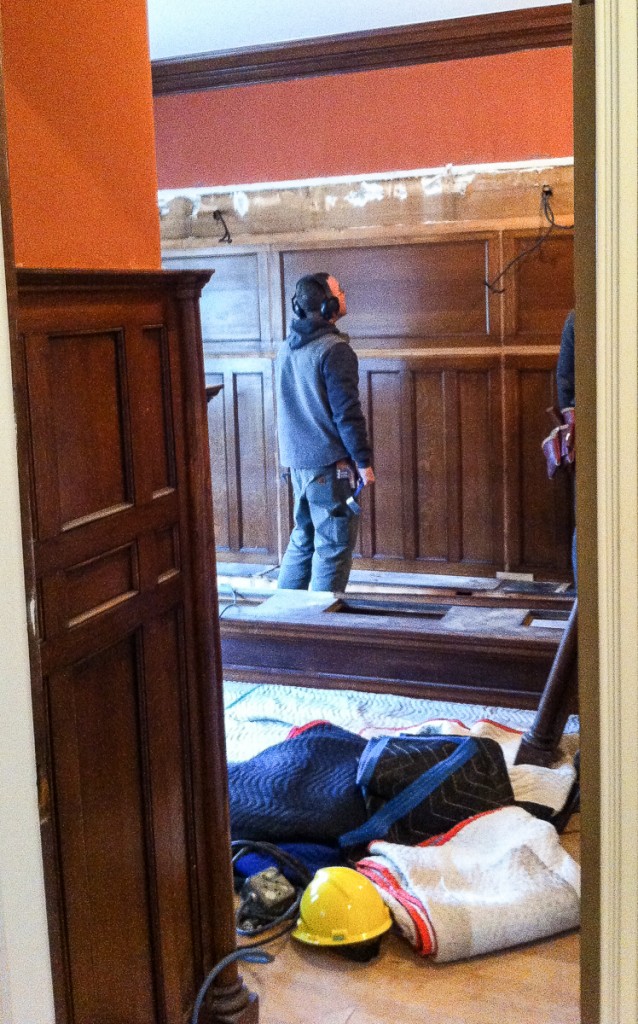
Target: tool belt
(559, 447)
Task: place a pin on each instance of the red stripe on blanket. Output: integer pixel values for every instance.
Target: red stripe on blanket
(384, 879)
(499, 725)
(419, 725)
(298, 729)
(445, 837)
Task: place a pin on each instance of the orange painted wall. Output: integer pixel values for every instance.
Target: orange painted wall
(80, 134)
(515, 106)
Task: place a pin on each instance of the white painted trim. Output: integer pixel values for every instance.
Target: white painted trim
(449, 170)
(26, 994)
(617, 445)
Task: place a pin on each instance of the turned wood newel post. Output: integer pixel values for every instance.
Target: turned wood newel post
(228, 1001)
(540, 742)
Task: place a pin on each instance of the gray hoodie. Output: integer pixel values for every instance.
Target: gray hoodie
(318, 409)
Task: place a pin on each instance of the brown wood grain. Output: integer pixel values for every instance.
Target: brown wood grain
(472, 652)
(451, 39)
(454, 382)
(130, 728)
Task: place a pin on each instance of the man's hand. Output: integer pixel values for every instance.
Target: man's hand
(367, 475)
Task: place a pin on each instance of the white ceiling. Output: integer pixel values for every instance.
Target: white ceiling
(186, 27)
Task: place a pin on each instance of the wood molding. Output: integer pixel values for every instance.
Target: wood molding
(453, 39)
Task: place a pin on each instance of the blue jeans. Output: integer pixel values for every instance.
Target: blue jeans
(319, 552)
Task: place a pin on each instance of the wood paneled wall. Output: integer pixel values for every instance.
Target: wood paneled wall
(455, 381)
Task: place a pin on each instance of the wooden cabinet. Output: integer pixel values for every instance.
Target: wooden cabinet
(455, 379)
(127, 679)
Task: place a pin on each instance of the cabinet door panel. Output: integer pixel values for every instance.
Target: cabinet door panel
(124, 578)
(436, 429)
(541, 510)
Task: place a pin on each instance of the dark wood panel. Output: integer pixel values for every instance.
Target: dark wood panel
(541, 510)
(436, 431)
(541, 286)
(479, 428)
(101, 826)
(243, 456)
(167, 560)
(452, 39)
(149, 388)
(231, 303)
(406, 293)
(218, 457)
(83, 464)
(432, 454)
(172, 841)
(386, 503)
(252, 398)
(95, 584)
(129, 733)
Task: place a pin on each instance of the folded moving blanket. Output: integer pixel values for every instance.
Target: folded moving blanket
(304, 789)
(420, 786)
(543, 791)
(497, 880)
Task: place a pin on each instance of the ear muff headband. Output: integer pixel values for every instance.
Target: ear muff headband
(329, 307)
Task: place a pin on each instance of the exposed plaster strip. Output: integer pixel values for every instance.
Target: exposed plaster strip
(166, 194)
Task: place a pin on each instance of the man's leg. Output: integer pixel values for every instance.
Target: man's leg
(296, 565)
(335, 528)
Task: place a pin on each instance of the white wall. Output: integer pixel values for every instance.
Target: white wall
(199, 26)
(25, 973)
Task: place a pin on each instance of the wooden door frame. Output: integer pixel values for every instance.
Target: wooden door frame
(27, 988)
(607, 490)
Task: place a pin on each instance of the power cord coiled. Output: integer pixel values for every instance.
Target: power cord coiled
(251, 952)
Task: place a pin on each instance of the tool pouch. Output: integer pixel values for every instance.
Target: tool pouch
(559, 447)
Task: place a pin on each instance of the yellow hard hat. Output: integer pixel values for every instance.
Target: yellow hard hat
(340, 907)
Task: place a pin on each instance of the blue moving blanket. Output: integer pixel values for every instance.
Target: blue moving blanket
(302, 790)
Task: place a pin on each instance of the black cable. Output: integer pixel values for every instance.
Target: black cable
(251, 951)
(251, 956)
(548, 214)
(288, 918)
(491, 285)
(546, 207)
(244, 846)
(217, 214)
(286, 860)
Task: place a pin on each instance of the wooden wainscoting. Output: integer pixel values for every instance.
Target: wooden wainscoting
(127, 677)
(455, 380)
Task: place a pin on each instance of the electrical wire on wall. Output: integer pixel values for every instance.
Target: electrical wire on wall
(548, 213)
(226, 237)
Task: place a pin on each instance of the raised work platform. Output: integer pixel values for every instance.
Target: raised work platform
(490, 644)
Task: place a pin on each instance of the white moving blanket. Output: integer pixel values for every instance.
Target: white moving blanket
(496, 880)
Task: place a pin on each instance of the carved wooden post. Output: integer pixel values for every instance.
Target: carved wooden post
(539, 743)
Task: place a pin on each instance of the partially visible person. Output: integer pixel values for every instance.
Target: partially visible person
(565, 386)
(565, 367)
(323, 439)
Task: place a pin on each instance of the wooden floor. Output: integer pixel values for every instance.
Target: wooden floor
(533, 984)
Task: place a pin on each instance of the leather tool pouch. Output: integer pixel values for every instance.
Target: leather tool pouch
(559, 447)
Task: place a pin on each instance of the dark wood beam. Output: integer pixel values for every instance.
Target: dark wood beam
(455, 39)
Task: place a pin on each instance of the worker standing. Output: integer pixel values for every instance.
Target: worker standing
(323, 439)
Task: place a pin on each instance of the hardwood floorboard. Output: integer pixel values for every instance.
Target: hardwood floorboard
(533, 984)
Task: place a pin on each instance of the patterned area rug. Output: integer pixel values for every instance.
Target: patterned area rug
(258, 716)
